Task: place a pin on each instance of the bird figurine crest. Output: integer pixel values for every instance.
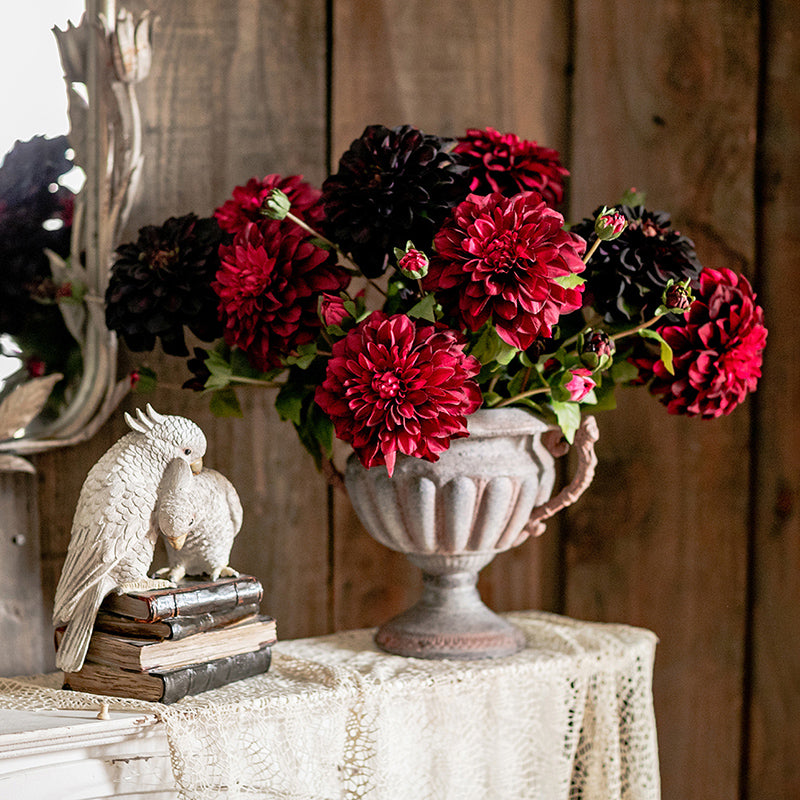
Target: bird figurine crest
(199, 516)
(115, 527)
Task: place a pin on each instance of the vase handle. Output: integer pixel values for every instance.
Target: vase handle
(585, 437)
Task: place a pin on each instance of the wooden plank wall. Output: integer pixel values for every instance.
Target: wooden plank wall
(690, 529)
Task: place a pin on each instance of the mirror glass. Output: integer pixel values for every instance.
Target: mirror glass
(37, 186)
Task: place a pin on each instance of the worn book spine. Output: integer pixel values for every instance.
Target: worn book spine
(168, 686)
(214, 674)
(172, 628)
(188, 600)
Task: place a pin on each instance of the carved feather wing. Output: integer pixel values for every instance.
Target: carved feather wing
(113, 517)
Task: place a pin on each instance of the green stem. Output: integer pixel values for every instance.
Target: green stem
(522, 396)
(591, 250)
(256, 382)
(631, 331)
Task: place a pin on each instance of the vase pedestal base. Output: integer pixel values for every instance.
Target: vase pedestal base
(450, 621)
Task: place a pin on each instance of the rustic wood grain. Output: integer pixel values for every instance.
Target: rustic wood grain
(23, 617)
(444, 67)
(665, 100)
(772, 765)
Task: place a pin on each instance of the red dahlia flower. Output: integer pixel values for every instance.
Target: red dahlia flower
(501, 258)
(269, 283)
(394, 385)
(246, 202)
(502, 162)
(717, 352)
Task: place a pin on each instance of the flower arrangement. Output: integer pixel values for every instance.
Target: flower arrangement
(35, 224)
(430, 277)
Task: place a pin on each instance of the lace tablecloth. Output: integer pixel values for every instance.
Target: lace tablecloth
(569, 717)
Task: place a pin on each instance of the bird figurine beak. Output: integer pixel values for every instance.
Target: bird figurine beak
(178, 542)
(197, 468)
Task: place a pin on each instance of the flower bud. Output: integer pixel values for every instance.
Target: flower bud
(331, 309)
(579, 384)
(276, 205)
(609, 224)
(678, 296)
(413, 264)
(597, 350)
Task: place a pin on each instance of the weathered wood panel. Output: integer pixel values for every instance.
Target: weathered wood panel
(665, 100)
(444, 67)
(237, 90)
(23, 617)
(772, 766)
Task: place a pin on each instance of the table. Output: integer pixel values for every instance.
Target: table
(569, 716)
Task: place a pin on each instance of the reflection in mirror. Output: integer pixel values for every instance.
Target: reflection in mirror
(58, 379)
(37, 185)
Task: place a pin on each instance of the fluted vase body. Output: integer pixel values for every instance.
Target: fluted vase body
(450, 518)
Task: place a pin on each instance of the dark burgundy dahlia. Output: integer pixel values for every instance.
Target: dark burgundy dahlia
(395, 385)
(269, 283)
(501, 258)
(502, 162)
(35, 213)
(717, 352)
(162, 283)
(245, 204)
(628, 275)
(393, 185)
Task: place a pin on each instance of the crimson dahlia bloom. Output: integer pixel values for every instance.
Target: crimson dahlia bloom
(394, 385)
(269, 283)
(502, 162)
(245, 204)
(717, 352)
(500, 258)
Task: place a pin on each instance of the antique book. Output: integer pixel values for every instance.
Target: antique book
(158, 654)
(188, 599)
(172, 627)
(168, 686)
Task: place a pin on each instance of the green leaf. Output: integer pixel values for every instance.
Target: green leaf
(570, 281)
(424, 309)
(306, 354)
(666, 350)
(624, 372)
(225, 403)
(146, 382)
(505, 352)
(321, 429)
(322, 244)
(289, 402)
(491, 398)
(568, 416)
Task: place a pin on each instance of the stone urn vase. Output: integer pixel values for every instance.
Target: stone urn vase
(487, 493)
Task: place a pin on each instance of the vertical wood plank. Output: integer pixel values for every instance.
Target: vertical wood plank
(237, 89)
(774, 735)
(23, 618)
(665, 100)
(444, 67)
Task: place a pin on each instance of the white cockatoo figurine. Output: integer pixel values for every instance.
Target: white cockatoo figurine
(114, 530)
(199, 516)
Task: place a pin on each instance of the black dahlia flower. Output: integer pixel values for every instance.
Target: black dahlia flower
(393, 186)
(35, 213)
(162, 282)
(629, 274)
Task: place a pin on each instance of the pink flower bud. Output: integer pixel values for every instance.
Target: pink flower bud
(580, 384)
(609, 225)
(414, 264)
(332, 310)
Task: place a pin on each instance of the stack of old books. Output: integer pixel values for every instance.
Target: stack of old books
(166, 644)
